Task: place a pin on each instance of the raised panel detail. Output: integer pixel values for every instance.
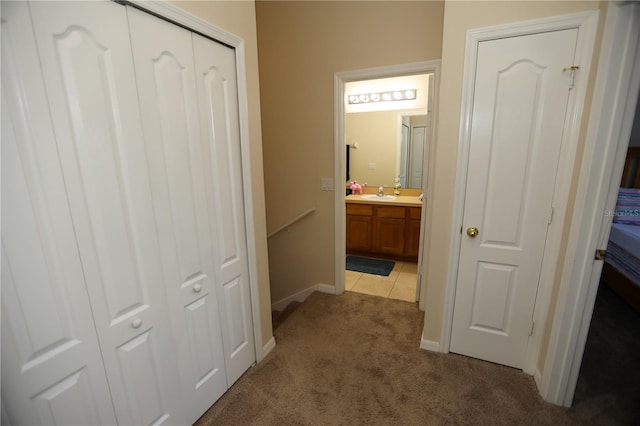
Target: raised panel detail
(172, 104)
(29, 271)
(492, 297)
(222, 161)
(139, 369)
(90, 91)
(359, 229)
(236, 315)
(203, 340)
(68, 402)
(516, 110)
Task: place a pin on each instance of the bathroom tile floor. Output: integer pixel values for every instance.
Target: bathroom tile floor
(400, 284)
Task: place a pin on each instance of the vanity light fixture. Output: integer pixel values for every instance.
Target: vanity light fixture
(394, 95)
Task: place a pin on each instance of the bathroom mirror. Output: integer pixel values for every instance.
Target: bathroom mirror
(385, 145)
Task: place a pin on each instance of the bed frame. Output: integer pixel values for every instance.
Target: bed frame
(610, 275)
(631, 172)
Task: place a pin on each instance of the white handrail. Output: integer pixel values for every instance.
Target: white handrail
(292, 221)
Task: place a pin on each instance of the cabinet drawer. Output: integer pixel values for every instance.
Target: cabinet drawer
(360, 209)
(392, 212)
(415, 213)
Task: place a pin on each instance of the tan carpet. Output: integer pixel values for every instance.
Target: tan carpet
(354, 359)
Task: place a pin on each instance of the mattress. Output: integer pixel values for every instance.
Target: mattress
(623, 251)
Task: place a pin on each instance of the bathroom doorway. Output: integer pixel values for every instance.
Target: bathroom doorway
(385, 116)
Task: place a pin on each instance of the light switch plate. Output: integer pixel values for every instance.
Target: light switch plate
(326, 184)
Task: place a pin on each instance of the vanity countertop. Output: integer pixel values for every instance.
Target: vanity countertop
(401, 200)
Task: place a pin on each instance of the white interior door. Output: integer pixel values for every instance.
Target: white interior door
(520, 99)
(404, 153)
(418, 146)
(86, 52)
(164, 63)
(52, 372)
(220, 129)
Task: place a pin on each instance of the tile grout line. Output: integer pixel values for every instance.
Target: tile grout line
(394, 282)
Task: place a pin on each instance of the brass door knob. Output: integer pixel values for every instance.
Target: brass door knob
(472, 232)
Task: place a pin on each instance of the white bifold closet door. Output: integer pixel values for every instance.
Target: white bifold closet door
(85, 51)
(199, 222)
(125, 283)
(220, 129)
(189, 100)
(194, 160)
(52, 370)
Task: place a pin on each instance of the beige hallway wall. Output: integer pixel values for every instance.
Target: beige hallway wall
(301, 44)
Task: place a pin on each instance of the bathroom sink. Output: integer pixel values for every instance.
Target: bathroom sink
(375, 197)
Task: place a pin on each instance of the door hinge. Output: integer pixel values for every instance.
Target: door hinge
(572, 69)
(601, 254)
(550, 216)
(531, 328)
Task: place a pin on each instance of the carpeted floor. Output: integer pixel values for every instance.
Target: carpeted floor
(354, 359)
(608, 387)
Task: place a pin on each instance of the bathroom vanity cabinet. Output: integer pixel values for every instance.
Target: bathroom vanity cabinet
(374, 229)
(359, 227)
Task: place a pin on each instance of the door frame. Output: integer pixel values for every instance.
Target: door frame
(180, 17)
(339, 81)
(586, 23)
(614, 102)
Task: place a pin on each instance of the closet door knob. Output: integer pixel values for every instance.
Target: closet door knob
(136, 323)
(197, 288)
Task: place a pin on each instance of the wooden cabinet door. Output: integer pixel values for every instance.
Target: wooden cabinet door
(359, 233)
(389, 237)
(389, 230)
(412, 238)
(412, 232)
(359, 227)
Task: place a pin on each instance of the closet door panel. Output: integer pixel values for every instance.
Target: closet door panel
(218, 104)
(85, 50)
(166, 85)
(52, 371)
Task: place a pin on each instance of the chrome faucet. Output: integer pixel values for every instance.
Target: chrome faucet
(380, 192)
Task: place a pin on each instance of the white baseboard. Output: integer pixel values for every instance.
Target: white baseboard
(537, 376)
(268, 347)
(429, 345)
(326, 288)
(301, 296)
